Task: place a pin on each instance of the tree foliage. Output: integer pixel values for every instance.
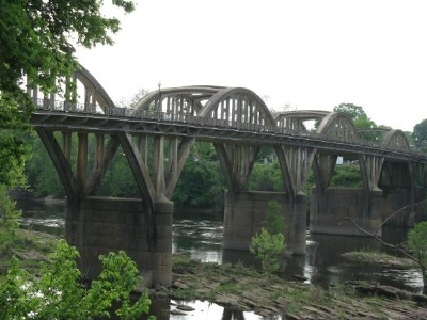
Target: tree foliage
(269, 244)
(200, 183)
(266, 177)
(419, 135)
(347, 176)
(368, 128)
(275, 222)
(58, 293)
(268, 248)
(38, 39)
(9, 221)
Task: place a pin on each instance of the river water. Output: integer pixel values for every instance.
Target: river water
(201, 237)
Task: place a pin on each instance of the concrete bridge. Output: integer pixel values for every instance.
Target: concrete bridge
(156, 136)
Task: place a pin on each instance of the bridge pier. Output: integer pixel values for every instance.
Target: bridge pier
(332, 209)
(246, 212)
(98, 225)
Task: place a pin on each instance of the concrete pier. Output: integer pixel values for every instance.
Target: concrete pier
(246, 212)
(98, 225)
(331, 211)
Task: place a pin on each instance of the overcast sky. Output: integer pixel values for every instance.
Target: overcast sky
(306, 54)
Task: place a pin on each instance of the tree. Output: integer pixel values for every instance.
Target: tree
(266, 177)
(354, 112)
(268, 247)
(275, 222)
(58, 293)
(419, 135)
(369, 130)
(131, 103)
(200, 183)
(38, 39)
(9, 221)
(269, 244)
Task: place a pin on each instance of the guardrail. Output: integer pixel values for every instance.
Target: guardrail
(111, 111)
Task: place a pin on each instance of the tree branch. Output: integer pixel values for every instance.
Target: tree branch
(387, 244)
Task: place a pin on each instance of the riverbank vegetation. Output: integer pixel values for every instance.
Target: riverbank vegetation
(381, 259)
(243, 288)
(55, 290)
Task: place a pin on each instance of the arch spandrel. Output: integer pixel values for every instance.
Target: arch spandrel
(294, 120)
(396, 139)
(90, 83)
(185, 100)
(339, 125)
(238, 107)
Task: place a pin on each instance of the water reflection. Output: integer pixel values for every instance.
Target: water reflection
(201, 238)
(212, 311)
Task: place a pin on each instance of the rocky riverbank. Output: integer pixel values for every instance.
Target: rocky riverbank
(243, 288)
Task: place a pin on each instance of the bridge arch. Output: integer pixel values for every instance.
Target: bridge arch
(294, 120)
(88, 95)
(338, 125)
(176, 103)
(94, 94)
(396, 139)
(239, 108)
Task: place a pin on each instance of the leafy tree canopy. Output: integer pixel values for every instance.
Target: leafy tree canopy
(58, 293)
(38, 39)
(355, 112)
(368, 128)
(419, 135)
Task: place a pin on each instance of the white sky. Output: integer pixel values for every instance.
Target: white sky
(308, 54)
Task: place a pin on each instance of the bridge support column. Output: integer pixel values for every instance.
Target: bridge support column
(246, 212)
(399, 183)
(331, 213)
(98, 225)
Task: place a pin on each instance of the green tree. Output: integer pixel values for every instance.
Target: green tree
(419, 135)
(9, 221)
(347, 176)
(266, 177)
(269, 244)
(59, 294)
(39, 39)
(269, 248)
(275, 222)
(354, 112)
(200, 183)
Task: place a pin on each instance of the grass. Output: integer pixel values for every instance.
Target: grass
(380, 258)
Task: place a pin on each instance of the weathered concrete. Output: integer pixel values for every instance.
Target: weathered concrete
(330, 213)
(245, 213)
(99, 225)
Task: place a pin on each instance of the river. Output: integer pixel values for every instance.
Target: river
(201, 237)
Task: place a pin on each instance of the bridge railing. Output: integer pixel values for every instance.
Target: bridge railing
(112, 111)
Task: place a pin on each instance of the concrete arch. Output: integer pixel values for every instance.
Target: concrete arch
(396, 139)
(339, 125)
(238, 107)
(294, 120)
(94, 93)
(185, 100)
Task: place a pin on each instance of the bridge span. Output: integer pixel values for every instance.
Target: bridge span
(156, 135)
